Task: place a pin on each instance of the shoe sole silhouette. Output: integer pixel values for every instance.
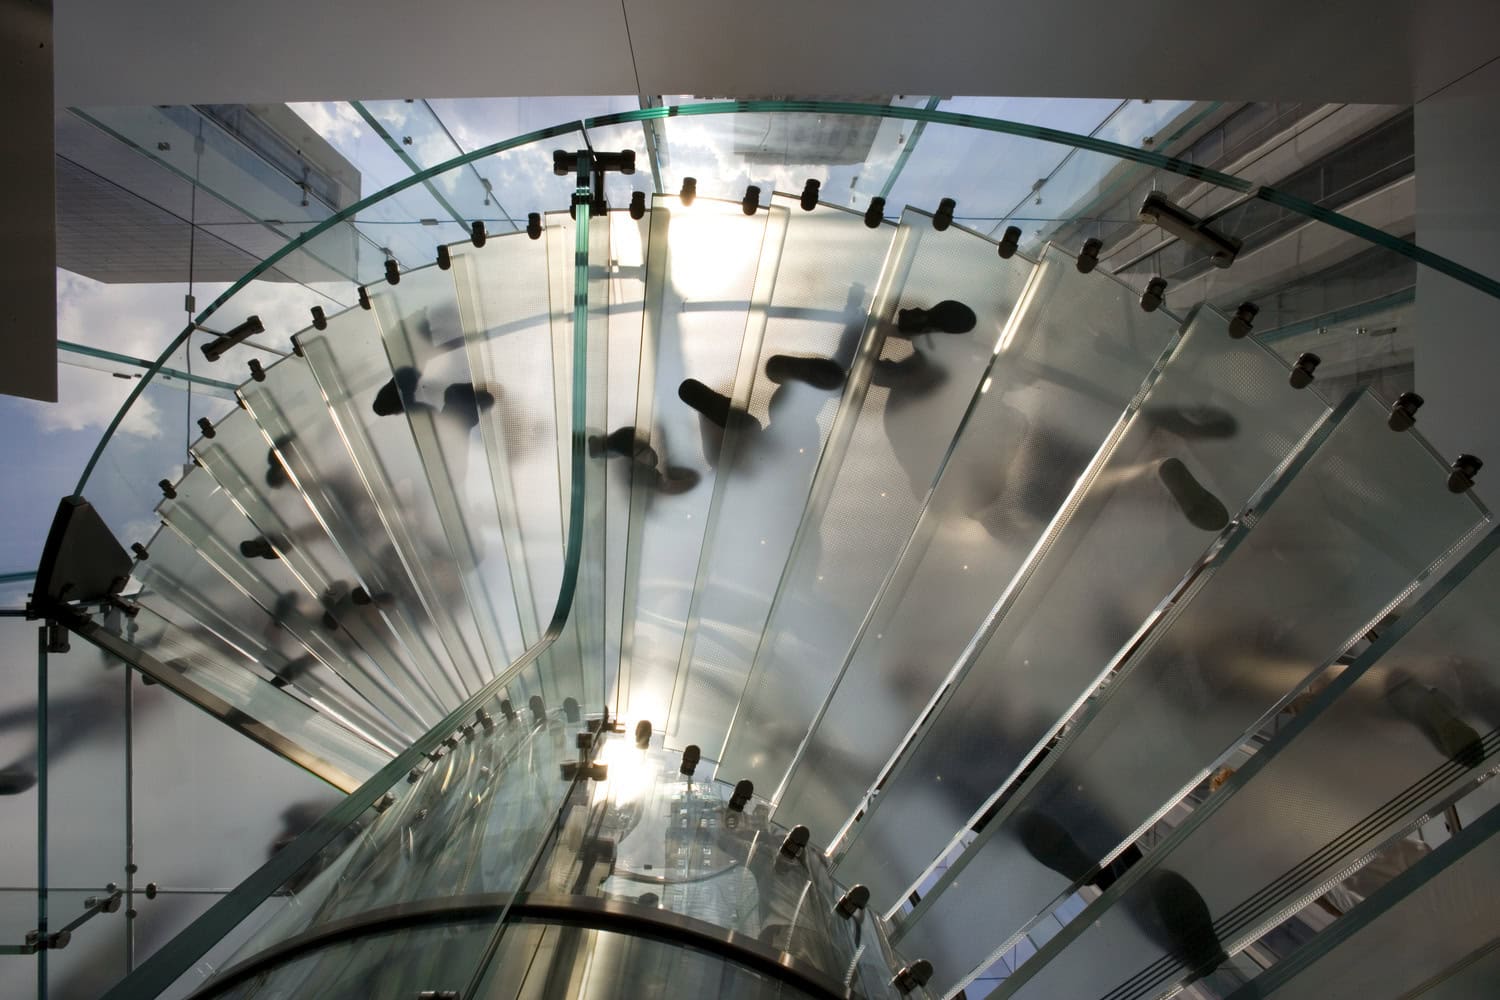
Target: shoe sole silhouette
(1202, 509)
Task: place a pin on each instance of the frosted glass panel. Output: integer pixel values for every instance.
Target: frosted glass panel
(1220, 407)
(1368, 514)
(503, 302)
(424, 343)
(1381, 747)
(1072, 360)
(816, 316)
(204, 515)
(241, 460)
(310, 457)
(705, 299)
(367, 401)
(953, 296)
(1428, 923)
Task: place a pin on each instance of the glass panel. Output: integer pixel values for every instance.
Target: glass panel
(1220, 407)
(419, 324)
(94, 959)
(503, 303)
(1381, 748)
(211, 806)
(309, 449)
(829, 266)
(1425, 924)
(86, 776)
(433, 961)
(1332, 549)
(202, 513)
(181, 586)
(711, 270)
(1075, 354)
(470, 822)
(225, 672)
(367, 401)
(888, 443)
(241, 460)
(629, 251)
(19, 771)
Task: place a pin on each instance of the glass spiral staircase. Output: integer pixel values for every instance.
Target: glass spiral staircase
(738, 594)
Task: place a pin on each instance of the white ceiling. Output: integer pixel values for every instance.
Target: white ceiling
(188, 51)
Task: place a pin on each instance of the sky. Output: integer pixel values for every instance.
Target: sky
(46, 445)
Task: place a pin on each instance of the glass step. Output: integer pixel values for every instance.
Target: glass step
(1362, 516)
(291, 411)
(241, 459)
(889, 440)
(423, 335)
(327, 746)
(185, 589)
(1220, 406)
(1392, 732)
(812, 325)
(705, 295)
(202, 513)
(1072, 358)
(504, 307)
(1429, 932)
(370, 410)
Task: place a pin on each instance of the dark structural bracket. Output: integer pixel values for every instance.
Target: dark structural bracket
(392, 272)
(256, 371)
(690, 758)
(364, 298)
(638, 205)
(795, 842)
(1404, 411)
(943, 217)
(851, 902)
(444, 260)
(588, 166)
(689, 190)
(1088, 257)
(1010, 242)
(810, 193)
(1220, 247)
(1151, 298)
(534, 225)
(477, 235)
(875, 213)
(319, 318)
(1302, 370)
(743, 789)
(1462, 472)
(206, 426)
(1243, 320)
(912, 977)
(214, 349)
(751, 201)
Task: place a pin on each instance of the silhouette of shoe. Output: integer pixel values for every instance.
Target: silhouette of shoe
(258, 548)
(462, 402)
(15, 780)
(820, 373)
(947, 316)
(1193, 421)
(396, 393)
(677, 480)
(276, 476)
(713, 405)
(622, 442)
(1435, 714)
(1046, 841)
(1202, 509)
(1184, 925)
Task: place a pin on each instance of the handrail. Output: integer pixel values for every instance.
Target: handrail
(1489, 286)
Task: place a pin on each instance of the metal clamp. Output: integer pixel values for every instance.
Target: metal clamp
(943, 217)
(875, 213)
(1462, 472)
(1404, 411)
(1088, 257)
(1302, 370)
(810, 191)
(912, 977)
(1010, 242)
